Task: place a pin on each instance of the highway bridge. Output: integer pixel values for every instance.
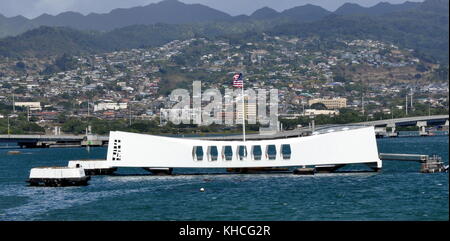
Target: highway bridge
(380, 126)
(420, 121)
(410, 121)
(44, 141)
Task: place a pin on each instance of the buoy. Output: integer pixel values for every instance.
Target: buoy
(202, 189)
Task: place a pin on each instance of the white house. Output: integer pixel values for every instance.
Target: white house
(110, 106)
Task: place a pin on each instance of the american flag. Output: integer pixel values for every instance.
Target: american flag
(238, 82)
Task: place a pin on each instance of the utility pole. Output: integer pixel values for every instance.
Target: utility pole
(8, 127)
(429, 108)
(429, 104)
(130, 113)
(28, 113)
(14, 105)
(362, 104)
(406, 105)
(88, 109)
(392, 112)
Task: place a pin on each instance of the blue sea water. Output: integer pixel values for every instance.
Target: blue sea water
(398, 192)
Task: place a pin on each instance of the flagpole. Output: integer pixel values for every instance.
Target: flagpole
(243, 112)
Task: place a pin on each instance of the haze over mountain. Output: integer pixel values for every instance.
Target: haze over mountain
(34, 8)
(176, 12)
(167, 11)
(380, 8)
(423, 28)
(265, 13)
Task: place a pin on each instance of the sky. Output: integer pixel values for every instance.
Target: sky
(34, 8)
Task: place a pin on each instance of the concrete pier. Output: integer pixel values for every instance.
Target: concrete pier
(429, 164)
(445, 126)
(422, 128)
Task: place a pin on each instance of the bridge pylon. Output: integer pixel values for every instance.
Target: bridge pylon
(422, 125)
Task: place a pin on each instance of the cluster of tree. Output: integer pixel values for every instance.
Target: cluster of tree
(103, 127)
(56, 41)
(441, 73)
(62, 63)
(345, 116)
(4, 108)
(20, 126)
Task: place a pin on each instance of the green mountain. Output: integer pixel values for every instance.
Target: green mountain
(305, 13)
(167, 11)
(379, 9)
(48, 41)
(424, 29)
(265, 13)
(14, 26)
(176, 12)
(53, 41)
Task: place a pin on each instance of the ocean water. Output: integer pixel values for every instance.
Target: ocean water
(398, 192)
